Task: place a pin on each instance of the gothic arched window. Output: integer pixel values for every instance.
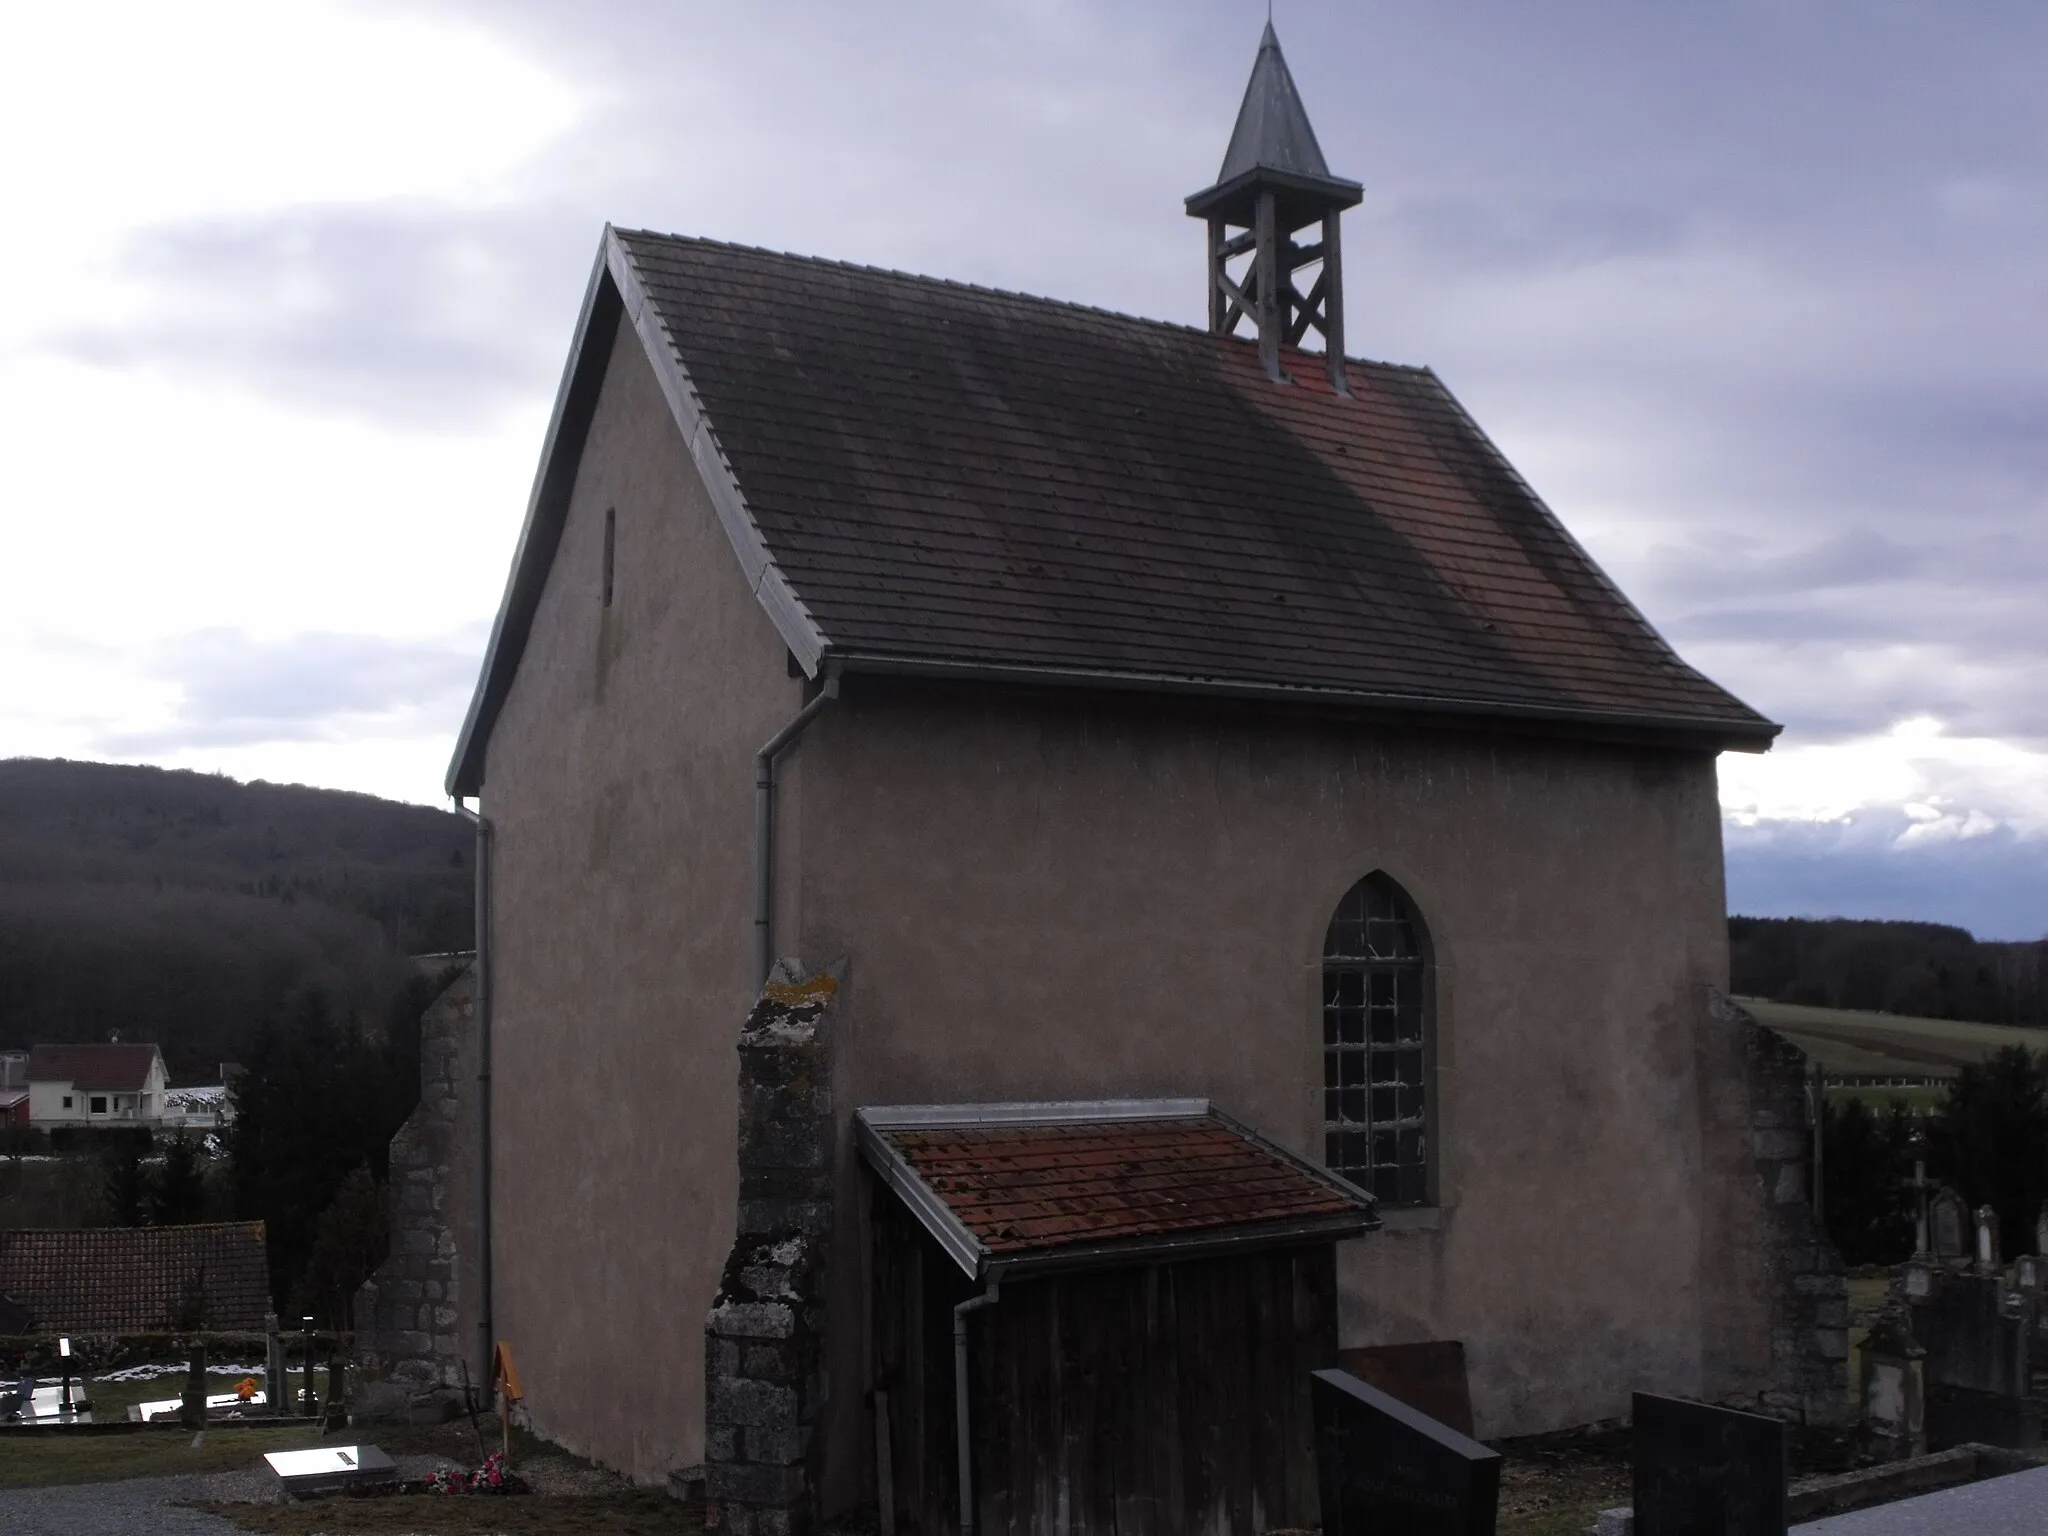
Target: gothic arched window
(1376, 1043)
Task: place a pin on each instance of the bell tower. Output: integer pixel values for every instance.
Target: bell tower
(1273, 188)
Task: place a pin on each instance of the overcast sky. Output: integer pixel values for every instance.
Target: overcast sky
(1755, 292)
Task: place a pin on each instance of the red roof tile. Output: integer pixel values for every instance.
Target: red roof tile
(1035, 1188)
(107, 1068)
(138, 1279)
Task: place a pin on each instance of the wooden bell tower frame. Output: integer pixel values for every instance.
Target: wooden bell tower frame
(1275, 186)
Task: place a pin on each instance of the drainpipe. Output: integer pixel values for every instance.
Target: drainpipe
(482, 1006)
(963, 1424)
(764, 825)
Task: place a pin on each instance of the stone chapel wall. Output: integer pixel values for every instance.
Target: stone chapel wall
(1809, 1289)
(416, 1317)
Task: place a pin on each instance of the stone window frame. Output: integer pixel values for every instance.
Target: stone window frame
(1426, 971)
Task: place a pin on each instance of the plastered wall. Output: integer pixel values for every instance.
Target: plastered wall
(620, 780)
(1047, 898)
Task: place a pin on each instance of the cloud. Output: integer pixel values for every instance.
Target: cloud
(418, 316)
(1991, 881)
(236, 690)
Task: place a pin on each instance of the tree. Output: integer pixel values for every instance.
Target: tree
(349, 1242)
(317, 1100)
(1989, 1137)
(127, 1182)
(1866, 1157)
(176, 1192)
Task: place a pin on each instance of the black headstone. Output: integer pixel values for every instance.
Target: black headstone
(1383, 1467)
(1705, 1471)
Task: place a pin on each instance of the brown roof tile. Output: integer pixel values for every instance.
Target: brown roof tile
(109, 1068)
(138, 1279)
(1040, 1188)
(923, 476)
(946, 473)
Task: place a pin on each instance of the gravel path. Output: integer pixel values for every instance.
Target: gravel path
(141, 1506)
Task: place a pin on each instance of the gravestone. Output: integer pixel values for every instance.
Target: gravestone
(1947, 1216)
(1990, 1257)
(1381, 1466)
(1428, 1377)
(330, 1469)
(1705, 1471)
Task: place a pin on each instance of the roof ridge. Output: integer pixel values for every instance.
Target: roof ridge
(986, 290)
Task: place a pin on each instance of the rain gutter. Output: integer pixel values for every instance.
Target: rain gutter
(481, 1005)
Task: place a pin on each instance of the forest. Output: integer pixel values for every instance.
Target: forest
(1927, 970)
(190, 909)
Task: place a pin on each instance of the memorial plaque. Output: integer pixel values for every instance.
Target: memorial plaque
(1383, 1467)
(1705, 1471)
(331, 1468)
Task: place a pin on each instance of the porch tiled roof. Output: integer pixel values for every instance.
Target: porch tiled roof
(1051, 1186)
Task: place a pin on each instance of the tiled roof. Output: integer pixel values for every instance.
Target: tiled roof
(109, 1068)
(138, 1279)
(1060, 1181)
(951, 473)
(920, 475)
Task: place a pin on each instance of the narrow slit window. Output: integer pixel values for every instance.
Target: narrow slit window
(1376, 1047)
(611, 542)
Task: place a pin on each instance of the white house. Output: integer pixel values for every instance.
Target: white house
(95, 1085)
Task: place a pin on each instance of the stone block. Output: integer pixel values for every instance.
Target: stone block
(776, 1362)
(754, 1520)
(1791, 1184)
(444, 1316)
(774, 1447)
(753, 1320)
(376, 1400)
(1831, 1314)
(1777, 1146)
(752, 1403)
(745, 1482)
(721, 1444)
(1831, 1343)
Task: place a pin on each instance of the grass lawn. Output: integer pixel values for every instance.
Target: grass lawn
(643, 1512)
(35, 1460)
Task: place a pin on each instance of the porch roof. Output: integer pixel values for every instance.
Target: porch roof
(1030, 1187)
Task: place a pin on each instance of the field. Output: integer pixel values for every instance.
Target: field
(1853, 1045)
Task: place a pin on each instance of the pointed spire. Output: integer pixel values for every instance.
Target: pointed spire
(1272, 147)
(1275, 185)
(1273, 132)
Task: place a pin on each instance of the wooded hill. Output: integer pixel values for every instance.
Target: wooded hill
(1927, 970)
(188, 908)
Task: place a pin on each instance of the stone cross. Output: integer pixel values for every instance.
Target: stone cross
(1920, 1184)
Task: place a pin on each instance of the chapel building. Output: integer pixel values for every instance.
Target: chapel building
(1120, 711)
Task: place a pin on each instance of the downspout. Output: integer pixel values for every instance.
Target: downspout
(764, 825)
(963, 1423)
(481, 1003)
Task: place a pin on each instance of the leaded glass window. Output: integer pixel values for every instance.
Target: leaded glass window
(1376, 1044)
